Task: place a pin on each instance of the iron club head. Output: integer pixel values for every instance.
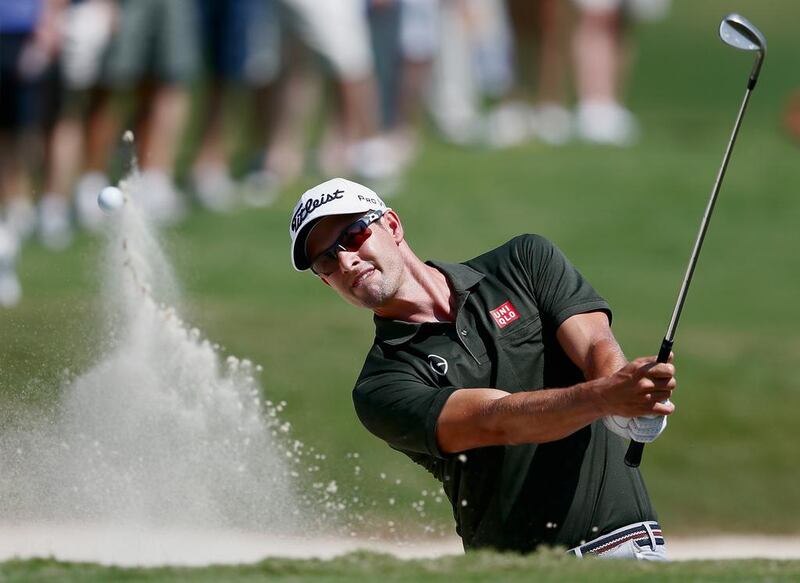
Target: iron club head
(736, 31)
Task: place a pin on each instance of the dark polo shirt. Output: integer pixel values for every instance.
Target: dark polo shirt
(510, 302)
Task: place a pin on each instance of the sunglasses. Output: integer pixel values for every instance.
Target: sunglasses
(351, 239)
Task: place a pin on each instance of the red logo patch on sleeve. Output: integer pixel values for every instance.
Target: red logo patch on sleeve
(505, 314)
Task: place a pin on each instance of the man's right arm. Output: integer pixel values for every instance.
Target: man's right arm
(483, 417)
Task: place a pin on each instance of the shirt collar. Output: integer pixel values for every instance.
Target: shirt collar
(460, 276)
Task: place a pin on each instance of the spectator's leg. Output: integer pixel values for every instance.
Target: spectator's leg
(173, 63)
(552, 121)
(163, 128)
(321, 25)
(419, 43)
(100, 131)
(63, 157)
(599, 63)
(297, 94)
(597, 54)
(102, 126)
(453, 98)
(211, 153)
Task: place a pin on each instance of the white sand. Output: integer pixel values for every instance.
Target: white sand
(111, 545)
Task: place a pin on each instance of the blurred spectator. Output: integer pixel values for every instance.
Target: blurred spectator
(86, 29)
(29, 39)
(552, 120)
(285, 109)
(240, 41)
(383, 17)
(474, 66)
(336, 31)
(152, 58)
(540, 45)
(420, 41)
(405, 39)
(58, 114)
(10, 289)
(474, 62)
(601, 59)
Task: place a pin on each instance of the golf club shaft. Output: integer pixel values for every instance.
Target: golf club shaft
(633, 457)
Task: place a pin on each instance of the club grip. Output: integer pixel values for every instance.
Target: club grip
(666, 348)
(633, 457)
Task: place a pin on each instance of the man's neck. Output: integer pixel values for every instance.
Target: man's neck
(425, 295)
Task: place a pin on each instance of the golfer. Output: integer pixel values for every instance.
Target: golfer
(499, 375)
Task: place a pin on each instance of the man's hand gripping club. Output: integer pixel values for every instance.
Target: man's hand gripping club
(639, 406)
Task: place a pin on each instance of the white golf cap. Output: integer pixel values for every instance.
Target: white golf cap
(337, 196)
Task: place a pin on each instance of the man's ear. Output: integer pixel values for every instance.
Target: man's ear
(392, 223)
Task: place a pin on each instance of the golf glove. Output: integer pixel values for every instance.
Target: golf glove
(642, 429)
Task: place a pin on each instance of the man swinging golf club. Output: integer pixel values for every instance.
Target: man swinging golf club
(499, 375)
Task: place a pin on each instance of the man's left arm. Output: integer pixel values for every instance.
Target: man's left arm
(582, 320)
(588, 341)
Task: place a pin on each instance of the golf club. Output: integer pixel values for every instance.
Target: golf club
(736, 31)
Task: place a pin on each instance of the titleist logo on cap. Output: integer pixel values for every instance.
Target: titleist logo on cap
(311, 205)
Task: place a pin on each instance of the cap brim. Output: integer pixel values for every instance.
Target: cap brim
(299, 258)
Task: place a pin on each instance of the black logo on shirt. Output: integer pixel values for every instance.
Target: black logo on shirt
(311, 205)
(438, 364)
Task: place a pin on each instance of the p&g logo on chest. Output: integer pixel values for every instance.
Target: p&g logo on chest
(504, 314)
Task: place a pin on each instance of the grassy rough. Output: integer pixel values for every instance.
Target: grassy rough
(547, 567)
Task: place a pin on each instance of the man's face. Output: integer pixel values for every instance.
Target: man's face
(370, 276)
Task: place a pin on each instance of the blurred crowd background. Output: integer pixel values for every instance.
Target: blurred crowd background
(263, 92)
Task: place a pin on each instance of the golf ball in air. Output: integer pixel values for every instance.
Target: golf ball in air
(110, 199)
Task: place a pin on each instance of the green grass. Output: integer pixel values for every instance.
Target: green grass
(627, 218)
(544, 567)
